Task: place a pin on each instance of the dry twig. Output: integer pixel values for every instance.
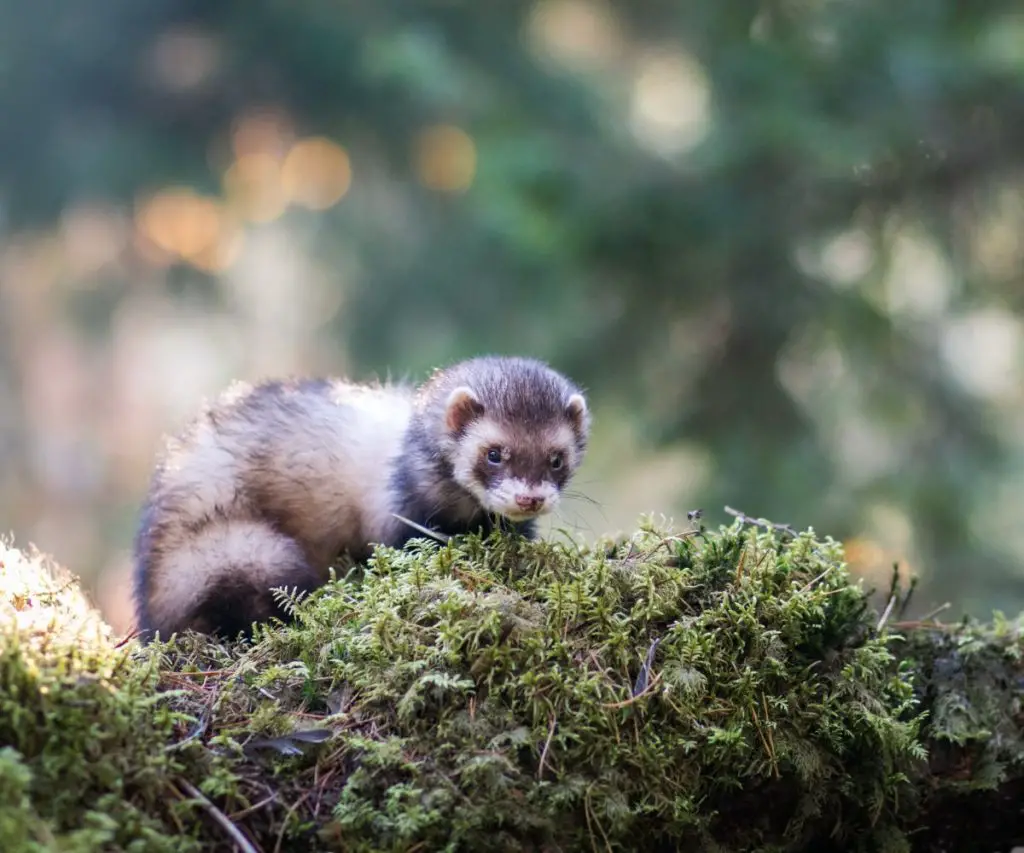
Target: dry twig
(222, 819)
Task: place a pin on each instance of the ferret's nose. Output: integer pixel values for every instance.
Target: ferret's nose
(531, 503)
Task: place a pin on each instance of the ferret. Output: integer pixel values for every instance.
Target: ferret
(270, 484)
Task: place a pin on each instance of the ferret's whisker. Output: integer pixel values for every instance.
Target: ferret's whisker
(426, 531)
(578, 525)
(580, 496)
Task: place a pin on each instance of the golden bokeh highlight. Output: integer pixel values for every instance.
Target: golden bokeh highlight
(580, 34)
(316, 173)
(262, 180)
(179, 221)
(873, 561)
(182, 224)
(266, 131)
(444, 158)
(252, 187)
(219, 256)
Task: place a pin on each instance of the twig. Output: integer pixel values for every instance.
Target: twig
(760, 522)
(813, 581)
(739, 564)
(588, 808)
(771, 740)
(547, 743)
(590, 829)
(888, 610)
(198, 673)
(931, 626)
(925, 621)
(222, 819)
(287, 817)
(764, 740)
(243, 812)
(320, 785)
(195, 733)
(933, 613)
(632, 699)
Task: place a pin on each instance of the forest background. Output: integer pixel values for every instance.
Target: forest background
(780, 243)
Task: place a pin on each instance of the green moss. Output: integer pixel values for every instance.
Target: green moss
(84, 764)
(970, 677)
(705, 691)
(492, 695)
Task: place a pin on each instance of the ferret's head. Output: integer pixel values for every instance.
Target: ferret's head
(513, 430)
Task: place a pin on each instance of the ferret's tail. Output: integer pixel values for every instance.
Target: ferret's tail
(217, 579)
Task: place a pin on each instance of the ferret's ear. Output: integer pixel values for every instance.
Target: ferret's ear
(462, 408)
(576, 409)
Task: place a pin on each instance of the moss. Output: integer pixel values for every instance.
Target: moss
(704, 690)
(84, 733)
(971, 677)
(493, 695)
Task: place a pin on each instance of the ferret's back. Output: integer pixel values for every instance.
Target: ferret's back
(304, 450)
(260, 472)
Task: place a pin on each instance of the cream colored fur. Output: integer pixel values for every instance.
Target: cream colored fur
(323, 470)
(223, 546)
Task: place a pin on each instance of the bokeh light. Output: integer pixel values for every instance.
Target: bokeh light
(316, 173)
(445, 158)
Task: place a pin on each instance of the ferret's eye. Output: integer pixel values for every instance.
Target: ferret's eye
(557, 461)
(494, 455)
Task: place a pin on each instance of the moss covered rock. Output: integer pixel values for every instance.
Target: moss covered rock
(697, 691)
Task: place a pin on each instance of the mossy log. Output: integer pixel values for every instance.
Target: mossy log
(725, 690)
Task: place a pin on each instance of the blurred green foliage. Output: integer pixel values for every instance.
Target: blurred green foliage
(801, 254)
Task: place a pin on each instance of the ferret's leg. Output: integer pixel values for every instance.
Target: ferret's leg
(217, 580)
